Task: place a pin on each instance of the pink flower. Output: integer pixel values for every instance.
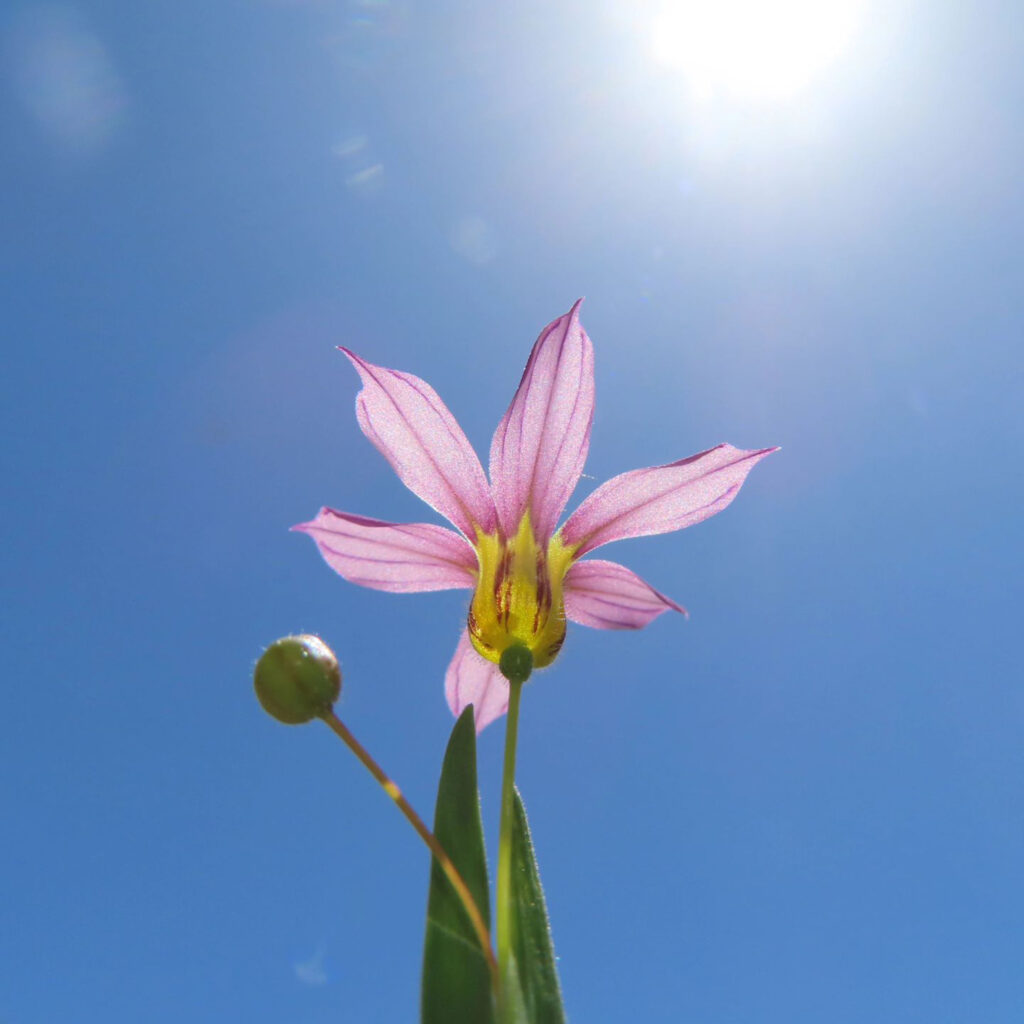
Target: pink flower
(527, 574)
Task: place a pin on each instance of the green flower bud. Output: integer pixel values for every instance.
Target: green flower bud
(516, 663)
(297, 679)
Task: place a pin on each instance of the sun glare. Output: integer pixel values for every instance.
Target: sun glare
(753, 50)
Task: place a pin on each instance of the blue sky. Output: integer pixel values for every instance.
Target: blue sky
(803, 804)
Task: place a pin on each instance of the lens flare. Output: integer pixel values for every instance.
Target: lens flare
(751, 50)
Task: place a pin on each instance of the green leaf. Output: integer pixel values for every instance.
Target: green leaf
(513, 1005)
(456, 979)
(532, 950)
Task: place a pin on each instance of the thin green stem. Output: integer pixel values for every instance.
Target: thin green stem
(442, 858)
(504, 896)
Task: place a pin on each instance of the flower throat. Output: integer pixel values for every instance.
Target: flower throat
(518, 596)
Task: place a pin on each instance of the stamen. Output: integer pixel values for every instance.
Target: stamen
(518, 600)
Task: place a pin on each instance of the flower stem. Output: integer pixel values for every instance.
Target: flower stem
(504, 894)
(442, 858)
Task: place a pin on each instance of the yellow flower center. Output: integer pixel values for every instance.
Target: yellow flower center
(518, 597)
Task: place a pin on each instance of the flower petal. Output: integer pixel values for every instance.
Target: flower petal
(413, 429)
(539, 448)
(606, 595)
(660, 499)
(474, 680)
(400, 557)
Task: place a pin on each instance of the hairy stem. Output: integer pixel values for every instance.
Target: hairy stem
(442, 858)
(504, 893)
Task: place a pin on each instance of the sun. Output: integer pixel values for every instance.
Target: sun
(754, 51)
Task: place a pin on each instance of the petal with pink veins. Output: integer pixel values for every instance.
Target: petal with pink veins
(660, 499)
(474, 680)
(606, 595)
(400, 557)
(413, 429)
(539, 448)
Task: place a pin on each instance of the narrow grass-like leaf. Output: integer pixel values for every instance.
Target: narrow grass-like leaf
(531, 933)
(513, 1007)
(456, 980)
